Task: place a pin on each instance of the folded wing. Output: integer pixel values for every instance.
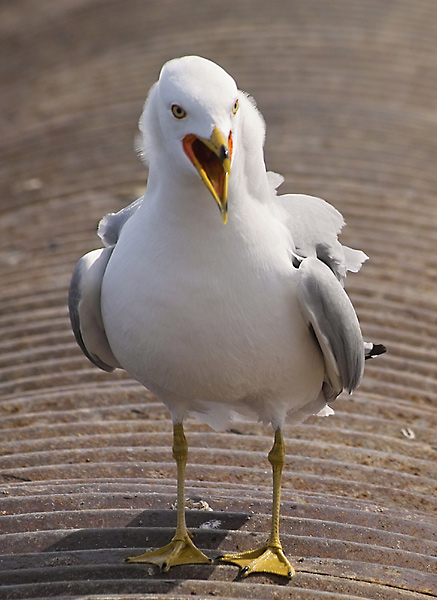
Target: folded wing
(85, 312)
(328, 311)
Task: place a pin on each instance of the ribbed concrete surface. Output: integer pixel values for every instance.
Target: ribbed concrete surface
(349, 92)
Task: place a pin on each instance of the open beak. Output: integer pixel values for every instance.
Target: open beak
(212, 160)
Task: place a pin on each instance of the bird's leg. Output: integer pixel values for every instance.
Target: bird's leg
(270, 557)
(181, 550)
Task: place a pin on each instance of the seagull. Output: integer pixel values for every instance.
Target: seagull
(236, 315)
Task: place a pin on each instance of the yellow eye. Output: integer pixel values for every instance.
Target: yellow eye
(178, 111)
(235, 107)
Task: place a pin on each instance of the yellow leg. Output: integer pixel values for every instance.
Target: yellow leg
(181, 550)
(270, 557)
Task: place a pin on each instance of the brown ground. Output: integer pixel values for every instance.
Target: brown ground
(349, 92)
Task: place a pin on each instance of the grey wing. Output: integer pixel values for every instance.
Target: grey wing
(112, 224)
(84, 307)
(329, 313)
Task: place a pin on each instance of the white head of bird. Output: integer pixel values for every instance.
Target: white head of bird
(191, 119)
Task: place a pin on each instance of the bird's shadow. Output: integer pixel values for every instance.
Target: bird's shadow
(151, 529)
(154, 528)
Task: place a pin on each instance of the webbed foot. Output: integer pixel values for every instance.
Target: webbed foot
(177, 552)
(266, 559)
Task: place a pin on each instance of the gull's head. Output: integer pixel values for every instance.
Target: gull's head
(195, 103)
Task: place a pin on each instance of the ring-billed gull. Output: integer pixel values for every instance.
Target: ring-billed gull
(244, 320)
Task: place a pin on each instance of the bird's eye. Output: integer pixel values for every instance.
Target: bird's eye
(235, 107)
(178, 111)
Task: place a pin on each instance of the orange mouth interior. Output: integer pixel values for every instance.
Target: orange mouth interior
(207, 161)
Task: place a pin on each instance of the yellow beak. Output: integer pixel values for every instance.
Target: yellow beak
(212, 160)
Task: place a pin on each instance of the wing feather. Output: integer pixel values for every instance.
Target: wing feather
(111, 224)
(330, 314)
(84, 307)
(314, 226)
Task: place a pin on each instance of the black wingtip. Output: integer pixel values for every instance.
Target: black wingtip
(376, 350)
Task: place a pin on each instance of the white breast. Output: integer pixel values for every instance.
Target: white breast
(210, 314)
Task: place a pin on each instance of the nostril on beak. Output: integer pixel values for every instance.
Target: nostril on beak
(224, 153)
